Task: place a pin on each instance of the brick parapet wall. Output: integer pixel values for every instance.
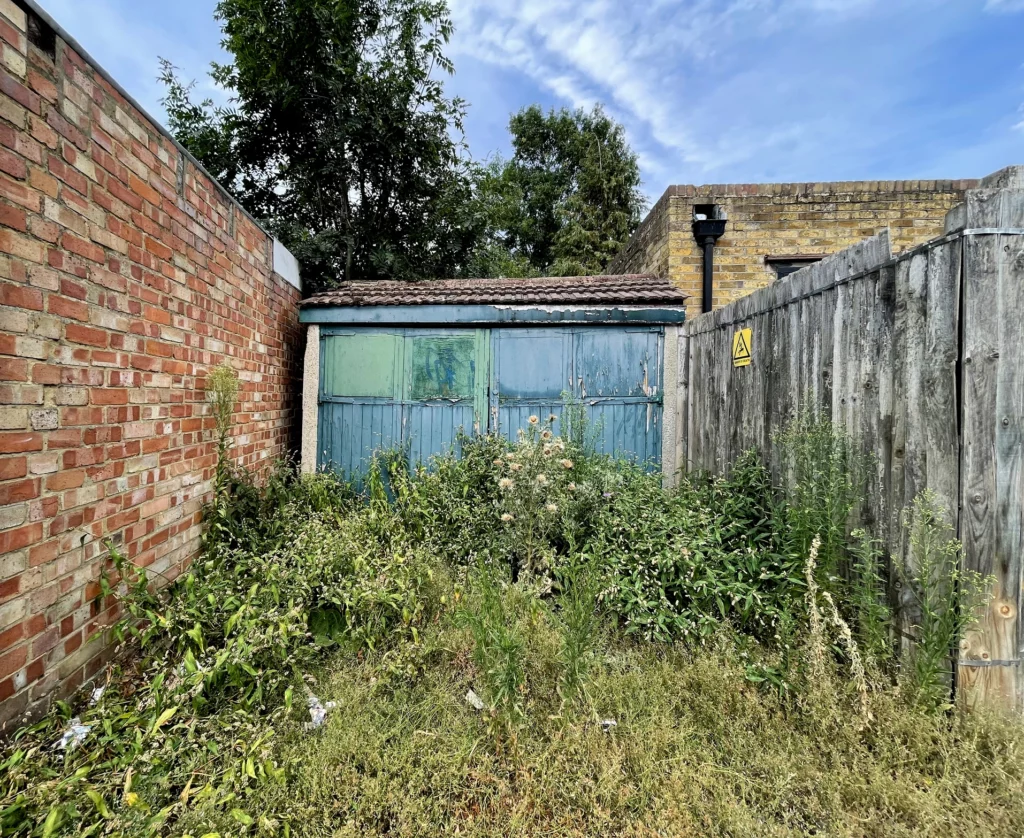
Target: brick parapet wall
(779, 220)
(646, 252)
(125, 274)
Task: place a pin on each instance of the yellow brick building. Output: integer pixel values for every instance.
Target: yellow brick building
(772, 229)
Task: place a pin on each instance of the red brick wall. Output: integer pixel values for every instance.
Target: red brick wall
(125, 274)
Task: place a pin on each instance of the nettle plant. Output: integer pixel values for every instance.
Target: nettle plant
(536, 484)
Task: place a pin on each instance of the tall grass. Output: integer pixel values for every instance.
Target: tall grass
(498, 647)
(695, 751)
(580, 628)
(823, 476)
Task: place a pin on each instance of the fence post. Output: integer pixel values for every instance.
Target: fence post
(990, 672)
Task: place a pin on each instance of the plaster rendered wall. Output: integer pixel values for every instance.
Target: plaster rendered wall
(310, 393)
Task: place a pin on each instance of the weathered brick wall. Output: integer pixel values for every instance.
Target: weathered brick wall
(647, 251)
(781, 219)
(125, 274)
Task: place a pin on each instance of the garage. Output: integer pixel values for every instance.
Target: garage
(408, 365)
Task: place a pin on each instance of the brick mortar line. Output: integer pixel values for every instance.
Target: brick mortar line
(71, 41)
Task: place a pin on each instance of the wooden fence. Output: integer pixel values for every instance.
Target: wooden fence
(920, 358)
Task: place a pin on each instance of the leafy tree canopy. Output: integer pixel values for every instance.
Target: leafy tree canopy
(340, 137)
(567, 200)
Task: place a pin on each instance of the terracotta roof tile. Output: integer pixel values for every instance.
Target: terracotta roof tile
(625, 289)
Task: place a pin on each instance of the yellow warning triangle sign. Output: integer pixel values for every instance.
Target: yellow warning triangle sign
(741, 348)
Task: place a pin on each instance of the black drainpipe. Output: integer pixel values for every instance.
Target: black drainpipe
(708, 228)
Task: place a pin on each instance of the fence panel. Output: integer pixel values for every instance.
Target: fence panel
(921, 359)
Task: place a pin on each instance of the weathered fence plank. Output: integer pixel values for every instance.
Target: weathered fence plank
(885, 297)
(980, 680)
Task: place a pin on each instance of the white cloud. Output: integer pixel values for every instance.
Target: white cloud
(738, 89)
(663, 71)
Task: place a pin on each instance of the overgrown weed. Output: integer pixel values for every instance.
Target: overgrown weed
(696, 750)
(944, 599)
(823, 478)
(667, 662)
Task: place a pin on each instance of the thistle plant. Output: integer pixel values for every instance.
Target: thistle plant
(536, 478)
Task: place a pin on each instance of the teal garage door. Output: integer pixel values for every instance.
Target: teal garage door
(415, 388)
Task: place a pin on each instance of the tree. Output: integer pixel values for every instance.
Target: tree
(339, 135)
(567, 200)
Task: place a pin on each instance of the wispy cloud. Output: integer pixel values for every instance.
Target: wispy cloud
(709, 90)
(715, 89)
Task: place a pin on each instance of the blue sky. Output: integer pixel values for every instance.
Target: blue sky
(710, 91)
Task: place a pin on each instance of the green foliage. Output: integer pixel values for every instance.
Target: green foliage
(535, 485)
(566, 201)
(945, 600)
(222, 391)
(680, 563)
(339, 133)
(144, 762)
(207, 129)
(578, 615)
(451, 507)
(222, 388)
(823, 481)
(394, 604)
(241, 619)
(866, 598)
(498, 646)
(696, 751)
(291, 569)
(339, 137)
(528, 504)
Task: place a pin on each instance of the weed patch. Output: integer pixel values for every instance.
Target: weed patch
(718, 659)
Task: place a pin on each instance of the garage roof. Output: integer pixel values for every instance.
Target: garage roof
(620, 290)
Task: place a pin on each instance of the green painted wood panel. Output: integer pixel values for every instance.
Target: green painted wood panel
(366, 365)
(390, 388)
(441, 367)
